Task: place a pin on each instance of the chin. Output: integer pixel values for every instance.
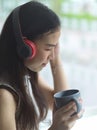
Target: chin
(36, 69)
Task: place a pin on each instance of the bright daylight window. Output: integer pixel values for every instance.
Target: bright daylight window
(78, 49)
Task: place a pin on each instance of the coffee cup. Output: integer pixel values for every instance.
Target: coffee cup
(62, 98)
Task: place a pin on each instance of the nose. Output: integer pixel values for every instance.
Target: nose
(51, 56)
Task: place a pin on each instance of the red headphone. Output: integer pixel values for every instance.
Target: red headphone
(31, 46)
(26, 49)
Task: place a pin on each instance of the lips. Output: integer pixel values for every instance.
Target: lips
(44, 64)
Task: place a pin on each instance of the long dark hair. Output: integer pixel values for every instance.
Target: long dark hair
(35, 20)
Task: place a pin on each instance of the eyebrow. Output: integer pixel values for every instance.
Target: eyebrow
(50, 45)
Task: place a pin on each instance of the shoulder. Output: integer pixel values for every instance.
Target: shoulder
(7, 110)
(7, 91)
(7, 99)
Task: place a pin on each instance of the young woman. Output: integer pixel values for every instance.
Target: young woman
(28, 42)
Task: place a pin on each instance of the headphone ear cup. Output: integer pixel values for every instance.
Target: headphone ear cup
(31, 45)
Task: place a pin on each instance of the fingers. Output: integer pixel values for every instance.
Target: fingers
(66, 111)
(80, 100)
(63, 119)
(67, 107)
(77, 116)
(69, 111)
(57, 48)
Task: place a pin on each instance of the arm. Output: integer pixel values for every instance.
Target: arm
(7, 110)
(61, 119)
(47, 90)
(59, 78)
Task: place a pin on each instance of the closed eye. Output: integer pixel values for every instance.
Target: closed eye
(49, 49)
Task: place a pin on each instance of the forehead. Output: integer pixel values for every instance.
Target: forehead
(51, 38)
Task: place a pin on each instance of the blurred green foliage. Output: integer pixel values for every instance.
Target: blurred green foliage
(79, 16)
(56, 5)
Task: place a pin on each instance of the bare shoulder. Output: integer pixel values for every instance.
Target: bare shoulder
(7, 110)
(7, 99)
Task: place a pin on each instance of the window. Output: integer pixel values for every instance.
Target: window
(78, 50)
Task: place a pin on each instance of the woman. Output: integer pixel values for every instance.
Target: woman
(28, 42)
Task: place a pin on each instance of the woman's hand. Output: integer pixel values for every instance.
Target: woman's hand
(56, 57)
(62, 119)
(56, 62)
(58, 71)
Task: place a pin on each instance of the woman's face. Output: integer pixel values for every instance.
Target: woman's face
(45, 51)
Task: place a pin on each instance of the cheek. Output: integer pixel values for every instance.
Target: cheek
(42, 55)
